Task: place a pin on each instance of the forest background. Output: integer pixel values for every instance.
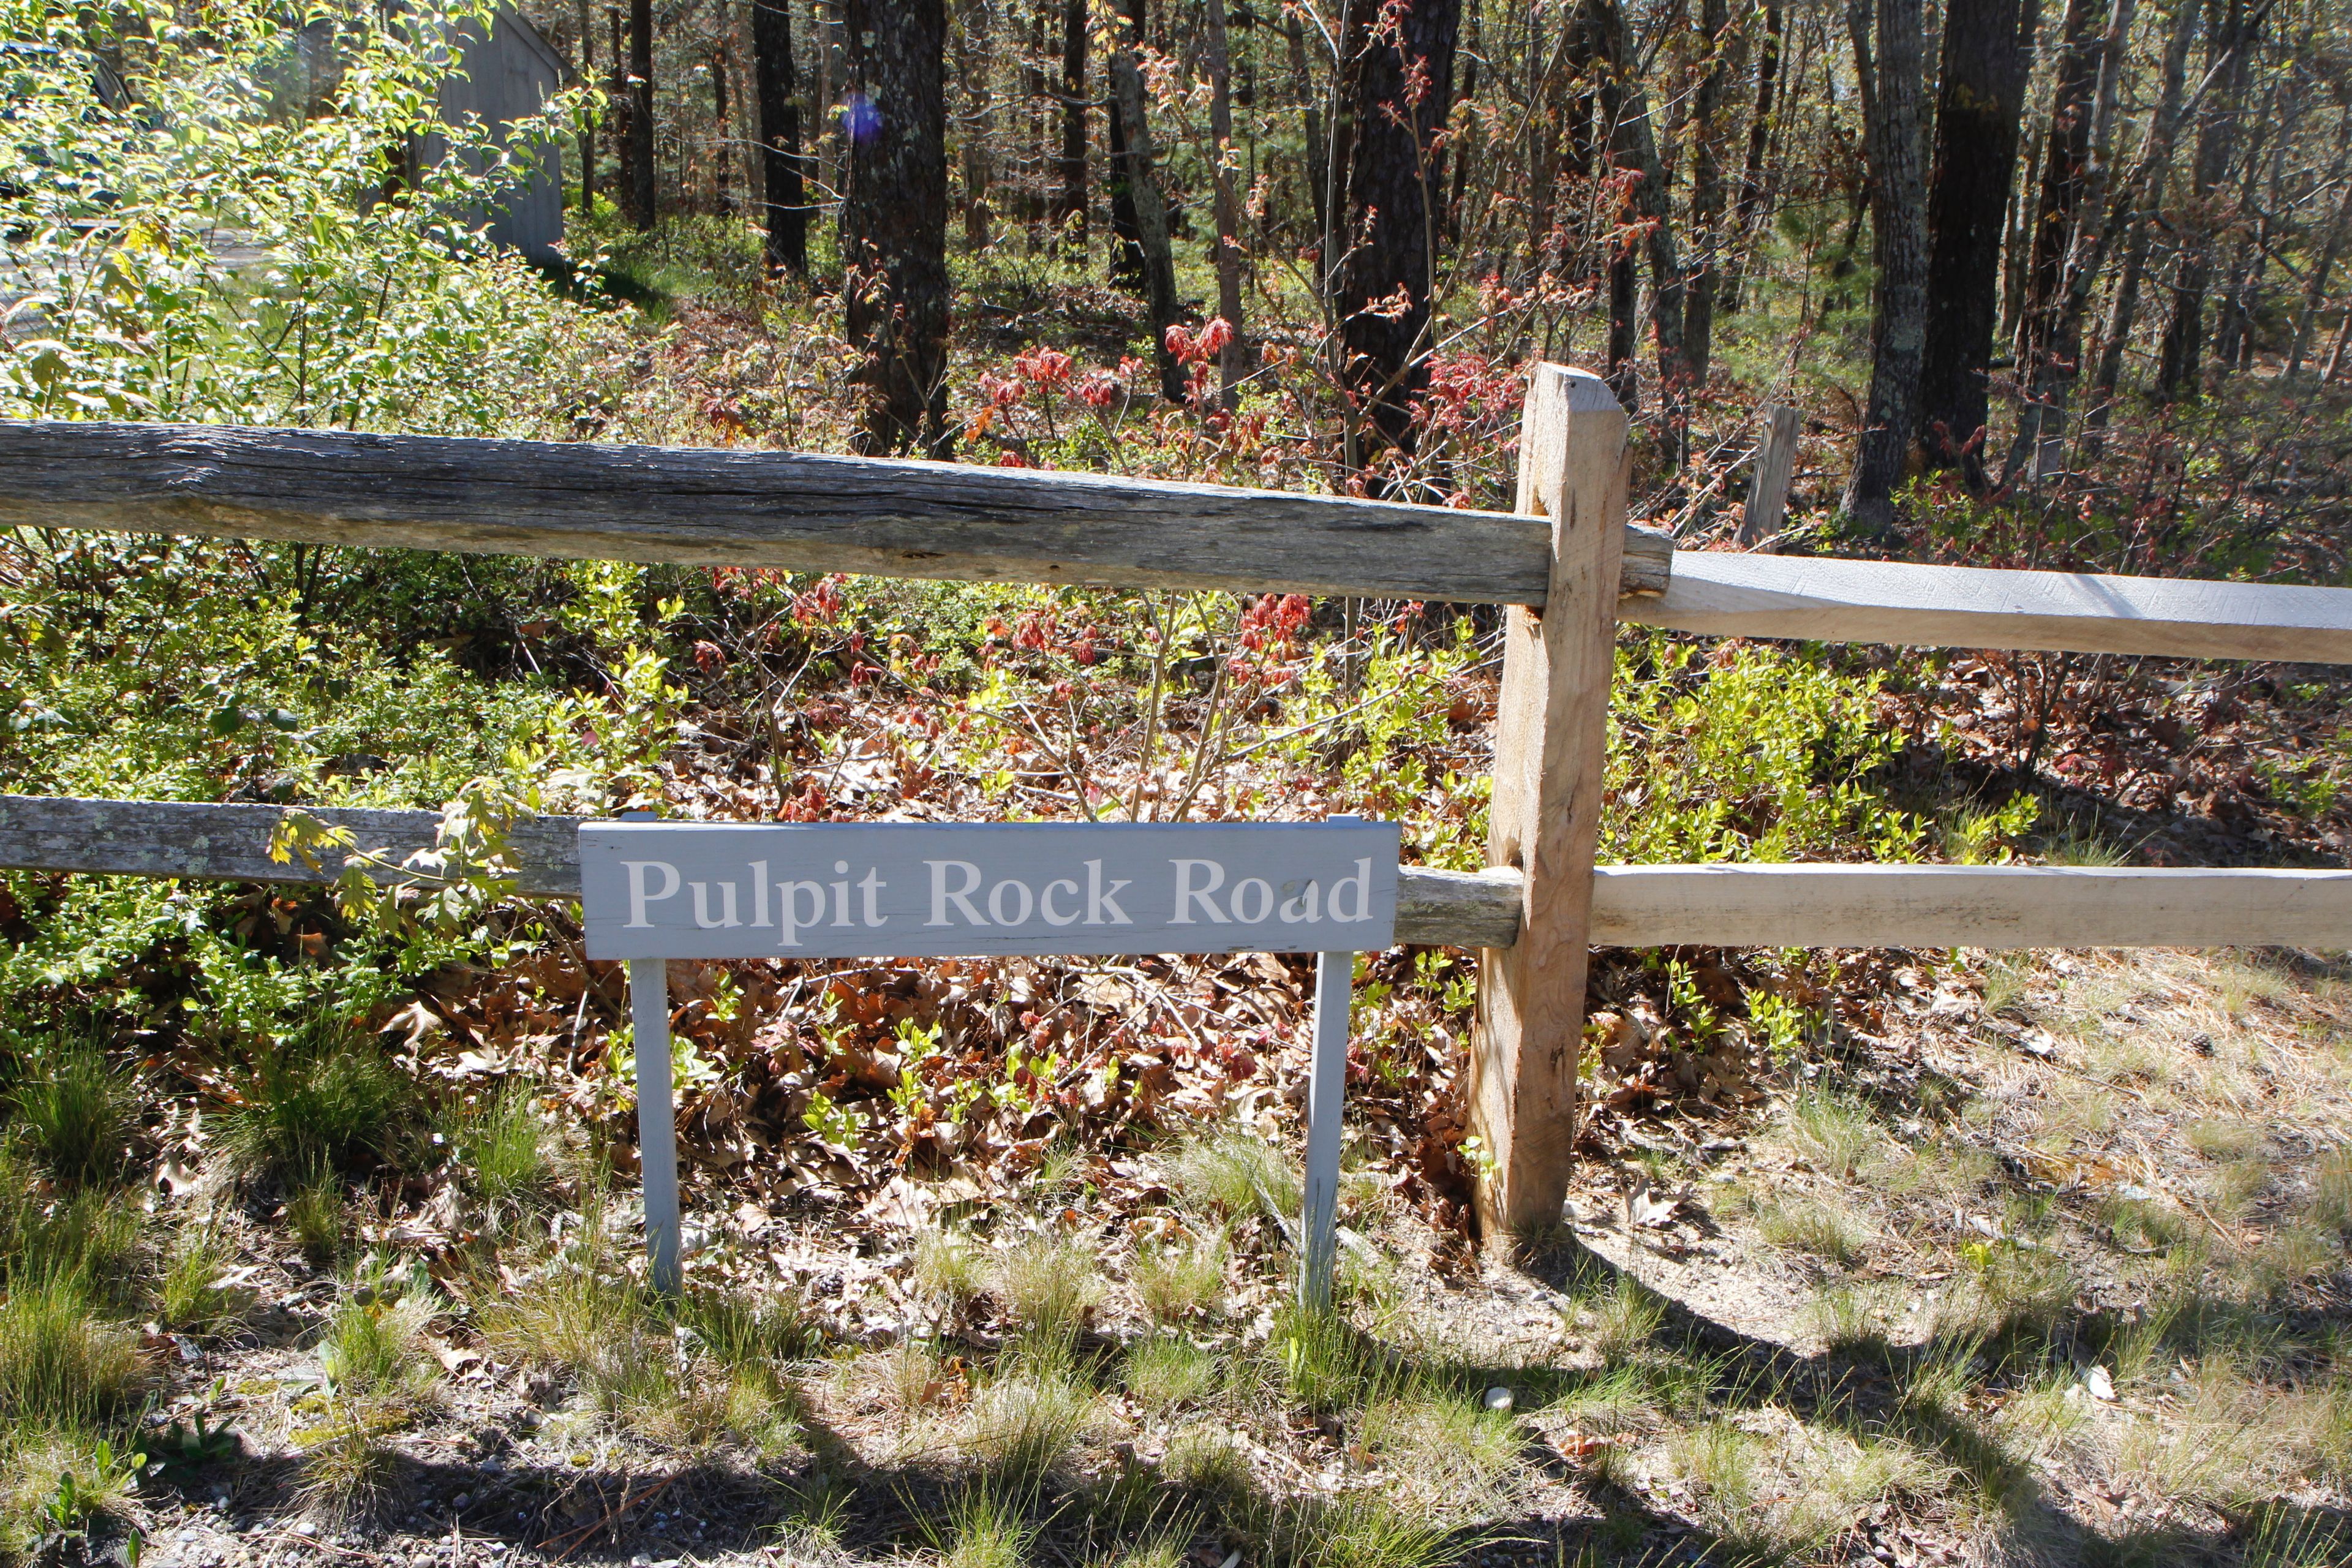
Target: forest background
(2049, 289)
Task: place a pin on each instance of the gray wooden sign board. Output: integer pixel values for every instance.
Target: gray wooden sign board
(652, 891)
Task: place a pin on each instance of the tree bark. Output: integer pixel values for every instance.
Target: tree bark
(1158, 257)
(1231, 366)
(1318, 166)
(777, 90)
(1128, 264)
(2050, 374)
(974, 57)
(1403, 90)
(587, 115)
(1980, 107)
(1751, 205)
(1633, 146)
(2066, 165)
(1070, 189)
(2228, 48)
(723, 162)
(894, 216)
(2142, 191)
(1703, 277)
(1899, 301)
(644, 193)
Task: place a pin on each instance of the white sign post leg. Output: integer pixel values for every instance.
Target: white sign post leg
(1327, 1085)
(656, 1118)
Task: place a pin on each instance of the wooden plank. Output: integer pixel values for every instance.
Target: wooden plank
(231, 843)
(1966, 607)
(1776, 465)
(1968, 906)
(1549, 753)
(788, 510)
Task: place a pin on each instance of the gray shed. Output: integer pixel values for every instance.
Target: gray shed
(507, 73)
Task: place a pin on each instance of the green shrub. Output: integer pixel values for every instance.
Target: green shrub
(1749, 754)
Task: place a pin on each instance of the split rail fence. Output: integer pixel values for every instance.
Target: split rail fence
(1565, 562)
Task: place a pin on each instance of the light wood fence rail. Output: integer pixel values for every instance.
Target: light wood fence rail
(1565, 563)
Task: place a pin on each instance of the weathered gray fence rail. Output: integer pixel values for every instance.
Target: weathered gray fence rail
(788, 510)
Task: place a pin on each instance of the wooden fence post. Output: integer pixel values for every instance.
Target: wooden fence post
(1775, 464)
(1550, 750)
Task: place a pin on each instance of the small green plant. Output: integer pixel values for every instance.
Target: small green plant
(1833, 1132)
(314, 1215)
(949, 1267)
(89, 1490)
(1323, 1364)
(76, 1111)
(1020, 1426)
(1625, 1317)
(1204, 1457)
(985, 1529)
(184, 1449)
(372, 1347)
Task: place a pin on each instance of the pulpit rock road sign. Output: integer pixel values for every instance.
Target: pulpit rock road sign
(655, 889)
(651, 891)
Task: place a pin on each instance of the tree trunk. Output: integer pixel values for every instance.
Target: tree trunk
(973, 57)
(2066, 165)
(1702, 277)
(723, 163)
(2314, 289)
(2228, 49)
(644, 199)
(1150, 208)
(621, 105)
(1633, 146)
(1899, 301)
(1128, 263)
(1459, 159)
(894, 220)
(1070, 189)
(1318, 166)
(1751, 205)
(587, 115)
(1231, 365)
(777, 90)
(2141, 194)
(1403, 90)
(1980, 103)
(2057, 358)
(2017, 246)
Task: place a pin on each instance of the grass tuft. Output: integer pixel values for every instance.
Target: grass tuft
(324, 1098)
(1176, 1281)
(1167, 1371)
(62, 1368)
(1234, 1173)
(76, 1112)
(1022, 1427)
